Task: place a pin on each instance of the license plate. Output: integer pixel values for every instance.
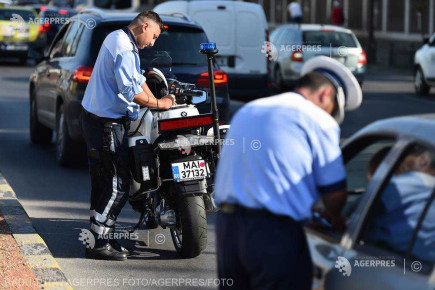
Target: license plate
(23, 35)
(222, 60)
(17, 47)
(189, 170)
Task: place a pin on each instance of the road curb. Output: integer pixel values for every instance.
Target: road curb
(32, 246)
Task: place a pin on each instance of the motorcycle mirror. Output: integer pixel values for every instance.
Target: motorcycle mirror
(200, 98)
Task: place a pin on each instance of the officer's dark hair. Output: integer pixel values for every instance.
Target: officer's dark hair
(314, 81)
(150, 15)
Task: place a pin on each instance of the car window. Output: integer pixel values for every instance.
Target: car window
(56, 51)
(274, 36)
(181, 43)
(76, 39)
(289, 37)
(361, 168)
(56, 46)
(329, 38)
(69, 38)
(393, 217)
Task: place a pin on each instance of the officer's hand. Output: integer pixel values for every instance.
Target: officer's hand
(169, 101)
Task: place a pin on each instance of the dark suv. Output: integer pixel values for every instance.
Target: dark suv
(58, 84)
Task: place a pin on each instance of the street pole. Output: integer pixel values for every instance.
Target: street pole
(371, 40)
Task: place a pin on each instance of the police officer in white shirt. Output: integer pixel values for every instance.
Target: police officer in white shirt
(284, 157)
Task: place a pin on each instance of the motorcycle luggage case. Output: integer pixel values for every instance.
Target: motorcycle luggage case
(142, 161)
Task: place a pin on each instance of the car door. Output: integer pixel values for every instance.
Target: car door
(45, 84)
(55, 71)
(394, 244)
(325, 244)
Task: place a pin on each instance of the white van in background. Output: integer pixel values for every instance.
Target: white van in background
(108, 5)
(239, 30)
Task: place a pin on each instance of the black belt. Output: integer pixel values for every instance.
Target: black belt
(230, 209)
(123, 120)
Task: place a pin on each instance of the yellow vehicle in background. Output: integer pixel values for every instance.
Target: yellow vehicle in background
(19, 32)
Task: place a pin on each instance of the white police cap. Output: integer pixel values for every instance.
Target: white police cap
(349, 94)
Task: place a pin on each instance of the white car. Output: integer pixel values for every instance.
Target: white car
(296, 44)
(424, 67)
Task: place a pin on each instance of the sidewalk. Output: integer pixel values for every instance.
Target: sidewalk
(25, 260)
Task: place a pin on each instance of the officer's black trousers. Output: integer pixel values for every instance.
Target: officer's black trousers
(109, 189)
(262, 251)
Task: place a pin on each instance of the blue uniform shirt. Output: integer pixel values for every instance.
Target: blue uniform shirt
(116, 71)
(282, 153)
(403, 202)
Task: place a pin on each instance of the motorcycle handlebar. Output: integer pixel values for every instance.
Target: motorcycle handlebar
(191, 93)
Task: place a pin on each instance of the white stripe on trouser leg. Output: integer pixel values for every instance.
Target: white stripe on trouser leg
(100, 229)
(102, 219)
(114, 181)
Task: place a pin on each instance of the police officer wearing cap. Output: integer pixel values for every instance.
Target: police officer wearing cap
(285, 156)
(112, 98)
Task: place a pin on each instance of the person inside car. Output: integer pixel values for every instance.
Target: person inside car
(401, 205)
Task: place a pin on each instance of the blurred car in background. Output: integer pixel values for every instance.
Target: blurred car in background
(240, 31)
(58, 83)
(424, 67)
(35, 4)
(18, 32)
(296, 44)
(51, 20)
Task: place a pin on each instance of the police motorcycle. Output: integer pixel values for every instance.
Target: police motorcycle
(173, 157)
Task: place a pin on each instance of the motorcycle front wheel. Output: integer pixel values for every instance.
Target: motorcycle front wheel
(190, 234)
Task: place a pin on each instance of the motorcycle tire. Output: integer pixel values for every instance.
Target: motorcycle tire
(190, 235)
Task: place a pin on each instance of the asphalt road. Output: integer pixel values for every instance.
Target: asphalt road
(57, 198)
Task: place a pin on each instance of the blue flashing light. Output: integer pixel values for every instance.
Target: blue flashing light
(208, 46)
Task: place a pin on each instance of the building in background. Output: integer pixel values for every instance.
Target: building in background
(400, 25)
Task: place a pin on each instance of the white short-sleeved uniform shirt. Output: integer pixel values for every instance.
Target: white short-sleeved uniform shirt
(284, 152)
